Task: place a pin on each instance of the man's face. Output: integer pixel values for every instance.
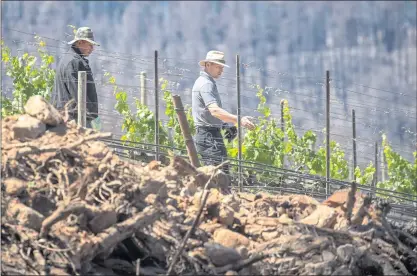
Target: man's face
(85, 47)
(214, 70)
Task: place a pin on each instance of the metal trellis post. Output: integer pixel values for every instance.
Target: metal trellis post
(82, 98)
(327, 133)
(239, 128)
(354, 142)
(156, 109)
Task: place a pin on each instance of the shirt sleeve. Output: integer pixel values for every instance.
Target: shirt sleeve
(207, 93)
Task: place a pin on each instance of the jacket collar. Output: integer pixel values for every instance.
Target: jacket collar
(78, 52)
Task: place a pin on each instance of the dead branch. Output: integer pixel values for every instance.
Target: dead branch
(241, 264)
(362, 212)
(194, 225)
(110, 237)
(55, 148)
(63, 212)
(351, 201)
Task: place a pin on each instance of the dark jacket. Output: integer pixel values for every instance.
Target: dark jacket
(66, 83)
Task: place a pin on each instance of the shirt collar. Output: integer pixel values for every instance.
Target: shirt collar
(207, 76)
(78, 52)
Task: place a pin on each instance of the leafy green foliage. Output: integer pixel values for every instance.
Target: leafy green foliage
(365, 177)
(402, 173)
(263, 144)
(339, 168)
(138, 126)
(269, 144)
(173, 123)
(301, 154)
(28, 78)
(298, 149)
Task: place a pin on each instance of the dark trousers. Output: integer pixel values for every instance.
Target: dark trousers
(210, 145)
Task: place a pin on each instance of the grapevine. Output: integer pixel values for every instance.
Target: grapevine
(269, 143)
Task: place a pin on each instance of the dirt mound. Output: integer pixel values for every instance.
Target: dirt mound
(70, 206)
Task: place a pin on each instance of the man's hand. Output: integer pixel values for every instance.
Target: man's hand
(246, 122)
(227, 117)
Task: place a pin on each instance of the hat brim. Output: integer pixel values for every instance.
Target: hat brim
(86, 39)
(203, 62)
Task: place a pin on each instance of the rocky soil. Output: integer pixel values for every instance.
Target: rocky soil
(70, 206)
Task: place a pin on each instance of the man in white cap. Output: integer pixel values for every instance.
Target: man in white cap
(209, 116)
(66, 77)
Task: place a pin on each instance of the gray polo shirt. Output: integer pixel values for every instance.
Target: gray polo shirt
(205, 93)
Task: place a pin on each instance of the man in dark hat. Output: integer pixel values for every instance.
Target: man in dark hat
(66, 77)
